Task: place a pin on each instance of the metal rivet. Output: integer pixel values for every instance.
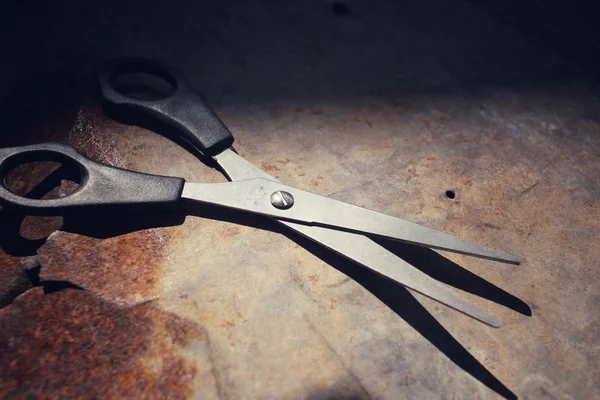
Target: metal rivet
(282, 200)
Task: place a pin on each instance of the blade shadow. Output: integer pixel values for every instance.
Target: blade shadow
(442, 269)
(395, 296)
(107, 224)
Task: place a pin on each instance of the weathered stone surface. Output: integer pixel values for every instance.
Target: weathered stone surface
(387, 107)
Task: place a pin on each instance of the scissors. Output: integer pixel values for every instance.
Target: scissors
(341, 227)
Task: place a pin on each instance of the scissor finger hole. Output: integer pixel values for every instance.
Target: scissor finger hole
(144, 86)
(44, 180)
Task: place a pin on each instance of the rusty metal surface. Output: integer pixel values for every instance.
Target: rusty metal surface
(120, 269)
(223, 306)
(87, 347)
(13, 278)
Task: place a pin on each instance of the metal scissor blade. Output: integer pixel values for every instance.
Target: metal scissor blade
(362, 250)
(254, 195)
(369, 254)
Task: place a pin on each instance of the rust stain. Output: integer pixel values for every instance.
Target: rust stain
(313, 278)
(35, 227)
(72, 344)
(315, 182)
(333, 303)
(265, 166)
(125, 268)
(226, 324)
(230, 231)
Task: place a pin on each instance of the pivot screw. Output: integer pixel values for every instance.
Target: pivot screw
(282, 200)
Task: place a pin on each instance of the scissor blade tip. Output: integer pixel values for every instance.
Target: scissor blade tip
(508, 259)
(491, 321)
(514, 260)
(487, 319)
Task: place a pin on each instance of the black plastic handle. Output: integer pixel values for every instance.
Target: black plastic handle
(184, 110)
(100, 185)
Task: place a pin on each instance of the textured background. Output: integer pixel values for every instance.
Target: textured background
(386, 105)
